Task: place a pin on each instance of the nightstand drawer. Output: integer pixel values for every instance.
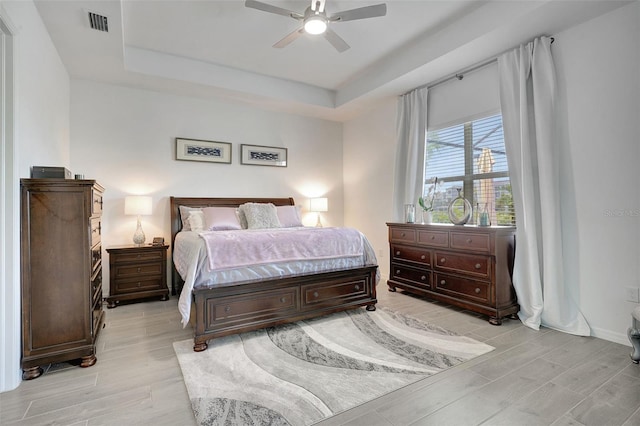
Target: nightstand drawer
(127, 286)
(129, 271)
(139, 256)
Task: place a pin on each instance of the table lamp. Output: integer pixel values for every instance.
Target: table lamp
(138, 205)
(318, 205)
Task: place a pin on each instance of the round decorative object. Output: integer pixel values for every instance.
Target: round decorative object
(460, 210)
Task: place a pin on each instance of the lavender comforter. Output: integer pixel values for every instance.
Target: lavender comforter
(218, 258)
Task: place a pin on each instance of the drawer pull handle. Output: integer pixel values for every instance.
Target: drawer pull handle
(138, 269)
(315, 294)
(138, 284)
(283, 299)
(139, 256)
(443, 260)
(478, 266)
(424, 277)
(227, 308)
(397, 271)
(443, 282)
(403, 234)
(433, 237)
(469, 240)
(423, 257)
(357, 287)
(477, 290)
(398, 253)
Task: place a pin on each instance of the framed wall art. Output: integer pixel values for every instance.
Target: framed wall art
(199, 150)
(263, 155)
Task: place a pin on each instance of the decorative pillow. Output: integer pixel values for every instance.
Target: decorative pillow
(260, 216)
(196, 220)
(184, 216)
(242, 218)
(289, 216)
(221, 218)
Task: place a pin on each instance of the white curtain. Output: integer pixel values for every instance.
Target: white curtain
(528, 97)
(411, 128)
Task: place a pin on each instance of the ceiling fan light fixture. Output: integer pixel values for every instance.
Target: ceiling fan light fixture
(315, 25)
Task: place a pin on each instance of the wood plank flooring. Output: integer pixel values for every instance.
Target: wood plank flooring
(532, 378)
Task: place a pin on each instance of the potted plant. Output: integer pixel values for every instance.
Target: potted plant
(426, 202)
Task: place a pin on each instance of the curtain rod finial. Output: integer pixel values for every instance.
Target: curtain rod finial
(459, 76)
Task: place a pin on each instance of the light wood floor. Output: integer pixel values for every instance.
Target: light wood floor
(532, 378)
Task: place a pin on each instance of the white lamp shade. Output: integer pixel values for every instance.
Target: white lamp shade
(137, 205)
(318, 205)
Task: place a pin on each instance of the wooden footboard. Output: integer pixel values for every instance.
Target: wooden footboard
(253, 305)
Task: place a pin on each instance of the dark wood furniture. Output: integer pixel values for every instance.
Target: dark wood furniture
(465, 266)
(256, 304)
(137, 272)
(61, 266)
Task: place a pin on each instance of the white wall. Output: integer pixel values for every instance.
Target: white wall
(41, 134)
(125, 139)
(598, 68)
(369, 158)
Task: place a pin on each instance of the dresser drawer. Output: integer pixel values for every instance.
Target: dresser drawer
(96, 205)
(479, 266)
(127, 286)
(132, 271)
(96, 231)
(96, 284)
(402, 235)
(139, 256)
(411, 254)
(96, 256)
(464, 288)
(412, 276)
(433, 238)
(471, 242)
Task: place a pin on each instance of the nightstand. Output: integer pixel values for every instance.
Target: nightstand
(137, 272)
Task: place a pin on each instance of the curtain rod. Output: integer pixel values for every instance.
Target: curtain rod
(460, 74)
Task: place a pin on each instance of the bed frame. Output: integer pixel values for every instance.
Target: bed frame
(251, 305)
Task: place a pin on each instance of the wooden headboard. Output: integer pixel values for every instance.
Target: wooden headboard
(176, 221)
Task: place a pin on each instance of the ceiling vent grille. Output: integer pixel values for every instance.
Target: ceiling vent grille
(98, 22)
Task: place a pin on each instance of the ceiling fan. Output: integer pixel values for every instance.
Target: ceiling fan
(315, 20)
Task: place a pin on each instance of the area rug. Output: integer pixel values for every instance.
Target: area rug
(301, 373)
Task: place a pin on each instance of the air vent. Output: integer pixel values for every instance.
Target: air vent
(98, 22)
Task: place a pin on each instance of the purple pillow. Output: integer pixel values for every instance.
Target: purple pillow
(289, 216)
(221, 219)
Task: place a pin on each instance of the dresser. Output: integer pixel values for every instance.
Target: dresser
(466, 266)
(61, 271)
(137, 272)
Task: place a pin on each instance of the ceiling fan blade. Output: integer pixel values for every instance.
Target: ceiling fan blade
(359, 13)
(272, 9)
(286, 40)
(335, 40)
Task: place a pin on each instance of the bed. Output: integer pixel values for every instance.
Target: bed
(240, 304)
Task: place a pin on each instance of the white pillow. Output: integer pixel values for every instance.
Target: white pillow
(260, 216)
(184, 216)
(221, 218)
(196, 220)
(289, 216)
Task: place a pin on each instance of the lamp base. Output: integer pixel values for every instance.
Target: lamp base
(318, 223)
(139, 237)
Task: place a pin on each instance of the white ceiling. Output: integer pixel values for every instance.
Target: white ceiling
(210, 48)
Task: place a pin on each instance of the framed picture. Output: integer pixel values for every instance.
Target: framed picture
(263, 155)
(197, 150)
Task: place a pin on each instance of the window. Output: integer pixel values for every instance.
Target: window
(471, 157)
